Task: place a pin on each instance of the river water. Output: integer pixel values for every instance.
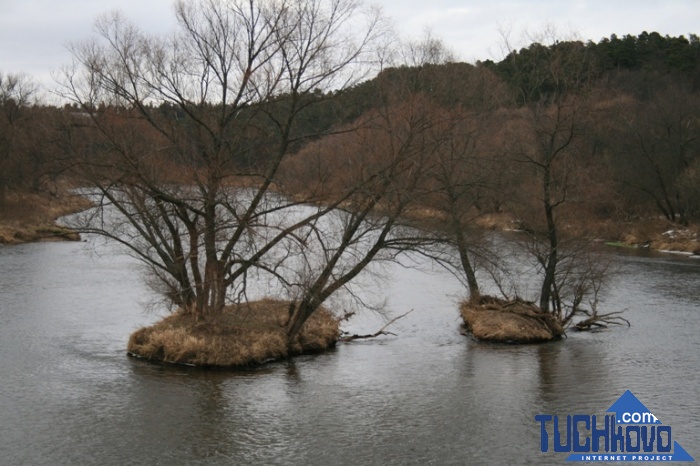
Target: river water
(69, 395)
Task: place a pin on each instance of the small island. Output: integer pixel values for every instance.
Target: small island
(241, 336)
(509, 321)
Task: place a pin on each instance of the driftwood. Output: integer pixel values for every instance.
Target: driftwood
(382, 331)
(600, 321)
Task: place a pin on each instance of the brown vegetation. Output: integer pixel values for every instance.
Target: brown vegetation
(514, 321)
(30, 216)
(243, 335)
(661, 235)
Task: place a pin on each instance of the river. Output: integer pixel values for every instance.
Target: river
(70, 395)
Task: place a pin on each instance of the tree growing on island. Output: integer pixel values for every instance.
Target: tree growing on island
(552, 144)
(180, 139)
(459, 182)
(378, 169)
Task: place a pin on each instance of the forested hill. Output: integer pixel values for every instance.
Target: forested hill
(636, 65)
(641, 111)
(624, 63)
(631, 64)
(647, 51)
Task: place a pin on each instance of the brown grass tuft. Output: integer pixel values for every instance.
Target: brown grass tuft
(502, 321)
(242, 336)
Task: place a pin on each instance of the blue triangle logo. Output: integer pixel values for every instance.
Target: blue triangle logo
(679, 454)
(629, 410)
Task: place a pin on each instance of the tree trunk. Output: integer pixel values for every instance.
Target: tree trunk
(552, 257)
(299, 317)
(470, 274)
(474, 292)
(3, 195)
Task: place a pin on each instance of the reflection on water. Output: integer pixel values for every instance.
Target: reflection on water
(428, 396)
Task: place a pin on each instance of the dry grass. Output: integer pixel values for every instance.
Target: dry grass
(244, 335)
(497, 221)
(661, 235)
(497, 320)
(30, 216)
(677, 239)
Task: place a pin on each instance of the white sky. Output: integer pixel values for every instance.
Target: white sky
(34, 33)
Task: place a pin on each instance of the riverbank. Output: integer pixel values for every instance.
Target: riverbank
(656, 234)
(661, 235)
(653, 232)
(244, 335)
(31, 216)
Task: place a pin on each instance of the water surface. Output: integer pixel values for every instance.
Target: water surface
(69, 395)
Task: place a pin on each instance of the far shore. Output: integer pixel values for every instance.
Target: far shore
(27, 217)
(652, 233)
(31, 217)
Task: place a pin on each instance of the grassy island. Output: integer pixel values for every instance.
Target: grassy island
(509, 321)
(243, 335)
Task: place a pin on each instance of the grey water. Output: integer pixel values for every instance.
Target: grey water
(69, 395)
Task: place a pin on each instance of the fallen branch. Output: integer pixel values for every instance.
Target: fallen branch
(601, 321)
(382, 331)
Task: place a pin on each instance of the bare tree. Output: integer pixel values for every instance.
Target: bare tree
(655, 143)
(17, 95)
(409, 154)
(182, 124)
(551, 144)
(458, 100)
(378, 169)
(428, 50)
(465, 182)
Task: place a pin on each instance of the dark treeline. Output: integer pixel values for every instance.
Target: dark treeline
(630, 64)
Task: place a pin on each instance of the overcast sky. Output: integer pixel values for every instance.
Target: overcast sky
(34, 33)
